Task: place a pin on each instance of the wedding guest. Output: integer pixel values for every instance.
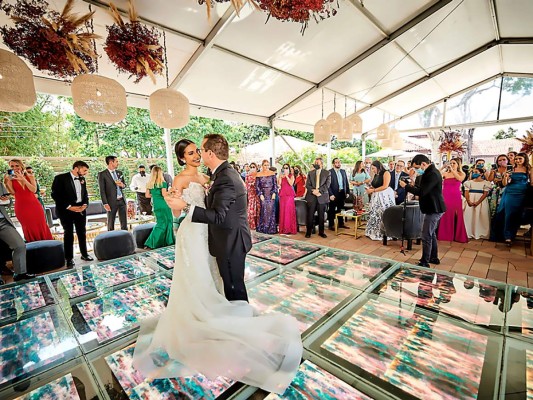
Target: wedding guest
(511, 156)
(299, 181)
(509, 214)
(317, 197)
(287, 207)
(398, 173)
(338, 191)
(69, 192)
(496, 177)
(392, 164)
(12, 239)
(476, 205)
(29, 172)
(162, 235)
(267, 189)
(245, 170)
(452, 225)
(28, 210)
(360, 178)
(382, 198)
(253, 199)
(138, 186)
(111, 183)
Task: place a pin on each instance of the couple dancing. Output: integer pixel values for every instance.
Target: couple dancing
(203, 330)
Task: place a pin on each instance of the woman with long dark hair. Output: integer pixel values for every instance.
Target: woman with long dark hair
(253, 199)
(496, 177)
(360, 178)
(267, 189)
(509, 214)
(287, 207)
(382, 197)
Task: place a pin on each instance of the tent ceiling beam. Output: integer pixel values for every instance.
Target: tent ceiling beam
(105, 6)
(205, 46)
(367, 53)
(448, 66)
(374, 21)
(474, 124)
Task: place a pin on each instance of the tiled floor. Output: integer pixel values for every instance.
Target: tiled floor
(479, 258)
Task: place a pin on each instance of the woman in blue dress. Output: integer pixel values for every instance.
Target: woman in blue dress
(360, 178)
(509, 214)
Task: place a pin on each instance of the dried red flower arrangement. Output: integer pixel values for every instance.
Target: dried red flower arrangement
(133, 47)
(59, 43)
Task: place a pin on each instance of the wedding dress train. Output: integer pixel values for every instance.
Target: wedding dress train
(202, 332)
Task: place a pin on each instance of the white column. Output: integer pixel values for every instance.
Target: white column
(272, 146)
(328, 162)
(168, 152)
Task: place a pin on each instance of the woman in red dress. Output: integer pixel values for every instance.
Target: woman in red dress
(28, 210)
(253, 198)
(299, 181)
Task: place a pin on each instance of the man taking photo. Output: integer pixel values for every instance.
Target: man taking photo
(429, 192)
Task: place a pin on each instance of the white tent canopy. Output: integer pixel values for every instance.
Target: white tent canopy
(282, 143)
(386, 57)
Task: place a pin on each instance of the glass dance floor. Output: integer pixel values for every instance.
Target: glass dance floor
(372, 329)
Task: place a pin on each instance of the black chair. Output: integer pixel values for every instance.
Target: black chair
(392, 226)
(348, 203)
(301, 214)
(44, 255)
(114, 244)
(141, 233)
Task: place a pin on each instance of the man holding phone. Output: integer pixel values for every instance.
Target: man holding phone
(13, 240)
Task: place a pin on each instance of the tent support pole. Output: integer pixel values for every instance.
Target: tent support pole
(272, 145)
(168, 151)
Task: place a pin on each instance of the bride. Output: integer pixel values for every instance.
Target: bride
(202, 332)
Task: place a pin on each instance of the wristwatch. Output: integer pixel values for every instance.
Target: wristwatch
(186, 209)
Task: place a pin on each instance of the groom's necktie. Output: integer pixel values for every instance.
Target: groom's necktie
(119, 191)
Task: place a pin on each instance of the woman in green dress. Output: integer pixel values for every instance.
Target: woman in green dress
(162, 235)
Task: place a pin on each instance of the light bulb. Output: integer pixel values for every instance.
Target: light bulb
(1, 76)
(170, 111)
(98, 93)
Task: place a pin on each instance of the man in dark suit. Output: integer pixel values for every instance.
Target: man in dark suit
(396, 174)
(317, 196)
(69, 192)
(429, 191)
(10, 236)
(338, 191)
(226, 215)
(111, 182)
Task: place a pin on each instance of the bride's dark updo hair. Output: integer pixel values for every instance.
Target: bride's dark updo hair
(180, 150)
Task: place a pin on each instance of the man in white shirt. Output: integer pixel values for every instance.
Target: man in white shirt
(138, 185)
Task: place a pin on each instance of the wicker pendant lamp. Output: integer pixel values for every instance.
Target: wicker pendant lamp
(99, 99)
(396, 139)
(335, 119)
(169, 108)
(17, 91)
(383, 132)
(321, 130)
(357, 123)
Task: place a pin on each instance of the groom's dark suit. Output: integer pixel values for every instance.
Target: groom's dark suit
(229, 234)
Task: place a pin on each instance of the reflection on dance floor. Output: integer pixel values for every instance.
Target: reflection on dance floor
(372, 328)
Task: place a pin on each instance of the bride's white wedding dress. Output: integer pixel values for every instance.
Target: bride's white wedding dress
(202, 332)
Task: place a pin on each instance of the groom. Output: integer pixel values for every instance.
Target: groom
(226, 216)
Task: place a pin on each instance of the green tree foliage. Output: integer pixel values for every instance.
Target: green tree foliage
(509, 134)
(41, 131)
(43, 171)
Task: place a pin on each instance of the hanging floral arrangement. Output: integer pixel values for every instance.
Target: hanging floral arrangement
(451, 141)
(59, 43)
(237, 5)
(527, 142)
(133, 47)
(301, 11)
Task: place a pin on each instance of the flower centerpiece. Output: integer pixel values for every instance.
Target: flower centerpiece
(59, 43)
(451, 141)
(133, 47)
(527, 142)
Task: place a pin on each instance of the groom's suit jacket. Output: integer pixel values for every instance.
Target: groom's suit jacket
(64, 193)
(226, 213)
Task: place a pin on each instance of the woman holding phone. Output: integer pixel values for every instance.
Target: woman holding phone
(287, 208)
(28, 210)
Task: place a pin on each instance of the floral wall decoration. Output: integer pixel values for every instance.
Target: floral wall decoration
(59, 43)
(451, 141)
(133, 47)
(527, 142)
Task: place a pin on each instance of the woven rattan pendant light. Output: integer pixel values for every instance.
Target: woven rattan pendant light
(383, 132)
(168, 107)
(396, 140)
(17, 91)
(322, 128)
(99, 99)
(335, 119)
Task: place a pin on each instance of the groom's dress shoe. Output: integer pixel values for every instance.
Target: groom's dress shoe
(87, 258)
(70, 264)
(23, 277)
